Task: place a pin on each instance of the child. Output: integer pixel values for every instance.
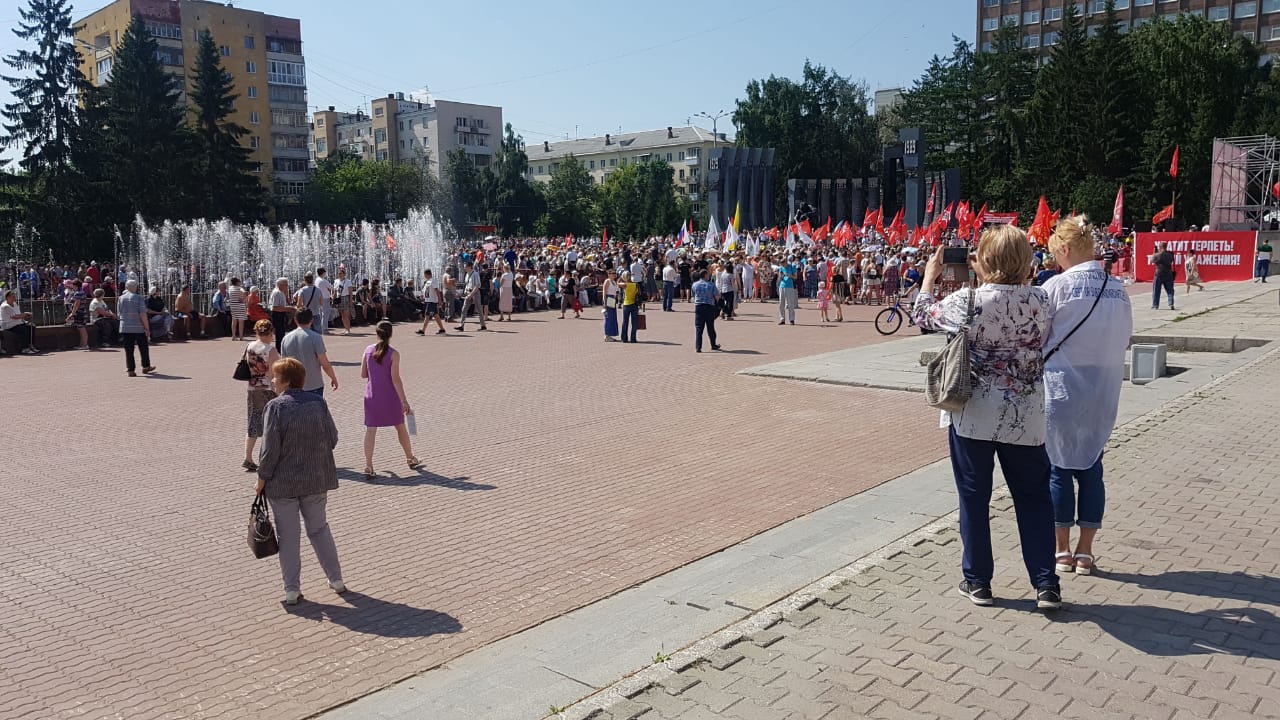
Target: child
(824, 299)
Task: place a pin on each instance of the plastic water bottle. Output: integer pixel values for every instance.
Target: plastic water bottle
(411, 423)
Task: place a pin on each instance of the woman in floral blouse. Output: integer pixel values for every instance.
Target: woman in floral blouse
(1005, 416)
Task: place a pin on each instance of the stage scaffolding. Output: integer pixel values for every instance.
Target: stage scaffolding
(1244, 171)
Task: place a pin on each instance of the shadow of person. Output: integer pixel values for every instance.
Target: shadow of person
(422, 477)
(371, 616)
(1206, 583)
(1164, 631)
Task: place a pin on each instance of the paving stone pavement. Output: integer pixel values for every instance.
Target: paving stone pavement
(1181, 621)
(560, 469)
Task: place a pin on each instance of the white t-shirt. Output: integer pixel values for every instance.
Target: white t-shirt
(326, 288)
(95, 306)
(10, 316)
(343, 288)
(278, 299)
(431, 291)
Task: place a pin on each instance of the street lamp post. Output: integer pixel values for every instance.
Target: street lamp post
(715, 135)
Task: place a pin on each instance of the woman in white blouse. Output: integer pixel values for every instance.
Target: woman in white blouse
(1092, 320)
(1005, 417)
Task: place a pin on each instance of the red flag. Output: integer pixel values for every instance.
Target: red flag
(771, 233)
(1275, 190)
(822, 233)
(1173, 166)
(568, 240)
(604, 239)
(1163, 215)
(1117, 214)
(928, 208)
(897, 228)
(804, 225)
(880, 220)
(1039, 230)
(391, 243)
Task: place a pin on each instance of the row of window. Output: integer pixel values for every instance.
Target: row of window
(289, 164)
(280, 72)
(470, 140)
(1239, 11)
(291, 189)
(289, 118)
(462, 122)
(613, 163)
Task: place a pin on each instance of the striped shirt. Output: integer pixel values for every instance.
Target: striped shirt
(297, 446)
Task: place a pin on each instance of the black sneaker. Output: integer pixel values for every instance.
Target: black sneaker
(978, 594)
(1049, 598)
(419, 332)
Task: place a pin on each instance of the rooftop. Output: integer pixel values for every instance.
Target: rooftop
(622, 142)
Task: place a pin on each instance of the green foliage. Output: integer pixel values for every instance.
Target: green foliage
(513, 205)
(638, 201)
(148, 144)
(1106, 110)
(570, 199)
(820, 126)
(463, 190)
(224, 181)
(347, 189)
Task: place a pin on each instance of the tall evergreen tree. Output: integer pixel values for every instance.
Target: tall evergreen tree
(148, 142)
(1005, 81)
(1053, 158)
(225, 185)
(1113, 133)
(514, 206)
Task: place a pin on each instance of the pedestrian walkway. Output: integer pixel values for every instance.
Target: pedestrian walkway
(1180, 622)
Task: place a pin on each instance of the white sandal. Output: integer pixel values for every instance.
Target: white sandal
(1064, 567)
(1083, 570)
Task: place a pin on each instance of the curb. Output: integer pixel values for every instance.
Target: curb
(622, 691)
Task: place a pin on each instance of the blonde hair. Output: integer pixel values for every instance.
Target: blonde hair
(1005, 255)
(1072, 236)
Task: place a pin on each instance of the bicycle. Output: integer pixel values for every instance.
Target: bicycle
(889, 320)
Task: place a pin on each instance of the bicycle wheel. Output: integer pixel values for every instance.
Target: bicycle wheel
(888, 320)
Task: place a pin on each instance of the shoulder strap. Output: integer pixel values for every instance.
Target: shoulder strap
(968, 317)
(1105, 279)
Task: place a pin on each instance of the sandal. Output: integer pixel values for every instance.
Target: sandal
(1064, 567)
(414, 463)
(369, 475)
(1086, 569)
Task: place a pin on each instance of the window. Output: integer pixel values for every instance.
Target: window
(668, 157)
(379, 135)
(320, 122)
(255, 141)
(592, 164)
(280, 72)
(289, 118)
(1098, 6)
(1051, 38)
(1247, 35)
(257, 168)
(401, 144)
(1264, 59)
(1139, 22)
(165, 30)
(281, 93)
(541, 172)
(253, 117)
(1219, 13)
(1270, 6)
(401, 126)
(988, 47)
(290, 189)
(1143, 3)
(1123, 26)
(251, 92)
(289, 164)
(322, 145)
(284, 45)
(169, 56)
(412, 142)
(613, 162)
(248, 42)
(681, 176)
(1052, 13)
(990, 3)
(289, 142)
(378, 111)
(693, 152)
(1246, 9)
(224, 51)
(1271, 33)
(1011, 19)
(989, 24)
(462, 122)
(1122, 4)
(104, 70)
(1031, 17)
(251, 67)
(680, 156)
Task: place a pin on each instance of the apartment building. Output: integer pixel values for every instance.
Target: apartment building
(262, 53)
(1041, 20)
(686, 149)
(409, 131)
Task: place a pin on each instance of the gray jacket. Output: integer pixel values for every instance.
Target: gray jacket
(297, 446)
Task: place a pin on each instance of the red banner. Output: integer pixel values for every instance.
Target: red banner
(1219, 255)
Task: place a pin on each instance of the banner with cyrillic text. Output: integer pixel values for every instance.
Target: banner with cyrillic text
(1219, 255)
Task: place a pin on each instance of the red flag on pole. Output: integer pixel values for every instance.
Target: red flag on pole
(1173, 167)
(928, 208)
(1117, 214)
(1039, 231)
(1163, 215)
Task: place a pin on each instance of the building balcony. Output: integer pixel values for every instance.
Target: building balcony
(694, 197)
(692, 161)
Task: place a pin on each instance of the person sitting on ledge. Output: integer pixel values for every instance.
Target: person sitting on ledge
(158, 316)
(13, 320)
(107, 322)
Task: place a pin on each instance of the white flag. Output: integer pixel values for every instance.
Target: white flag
(712, 243)
(730, 238)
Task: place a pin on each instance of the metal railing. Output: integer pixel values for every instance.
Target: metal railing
(54, 312)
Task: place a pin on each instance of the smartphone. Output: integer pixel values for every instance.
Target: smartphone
(955, 256)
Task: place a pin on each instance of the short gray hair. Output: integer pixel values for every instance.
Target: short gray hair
(131, 286)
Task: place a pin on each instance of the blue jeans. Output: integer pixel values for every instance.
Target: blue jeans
(1026, 472)
(1156, 285)
(1093, 496)
(1262, 269)
(668, 295)
(629, 313)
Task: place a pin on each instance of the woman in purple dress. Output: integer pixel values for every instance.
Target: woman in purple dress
(385, 404)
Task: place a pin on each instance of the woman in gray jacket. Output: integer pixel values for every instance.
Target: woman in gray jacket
(296, 471)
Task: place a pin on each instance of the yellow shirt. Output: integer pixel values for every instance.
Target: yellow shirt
(630, 291)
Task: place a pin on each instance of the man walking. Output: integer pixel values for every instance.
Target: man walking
(1262, 267)
(307, 347)
(705, 310)
(281, 310)
(1163, 261)
(135, 328)
(471, 299)
(326, 300)
(434, 297)
(670, 280)
(788, 300)
(726, 284)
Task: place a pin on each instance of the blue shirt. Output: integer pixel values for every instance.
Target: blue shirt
(788, 277)
(704, 293)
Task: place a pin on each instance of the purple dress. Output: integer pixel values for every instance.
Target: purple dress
(381, 401)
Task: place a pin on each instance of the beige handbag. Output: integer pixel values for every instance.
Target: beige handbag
(950, 374)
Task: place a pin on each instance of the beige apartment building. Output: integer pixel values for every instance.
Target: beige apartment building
(1041, 20)
(410, 131)
(262, 53)
(686, 149)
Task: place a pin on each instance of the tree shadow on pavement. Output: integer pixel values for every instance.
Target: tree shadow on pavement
(420, 478)
(1170, 631)
(371, 616)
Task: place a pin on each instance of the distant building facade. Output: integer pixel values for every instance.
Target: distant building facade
(741, 180)
(409, 131)
(686, 149)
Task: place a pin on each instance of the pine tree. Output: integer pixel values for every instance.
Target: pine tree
(1006, 81)
(225, 184)
(148, 144)
(1053, 157)
(1113, 134)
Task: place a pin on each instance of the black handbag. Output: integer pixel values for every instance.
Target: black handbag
(262, 534)
(243, 373)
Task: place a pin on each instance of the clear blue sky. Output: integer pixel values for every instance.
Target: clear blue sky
(558, 66)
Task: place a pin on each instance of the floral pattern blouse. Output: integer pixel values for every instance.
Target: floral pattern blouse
(1006, 336)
